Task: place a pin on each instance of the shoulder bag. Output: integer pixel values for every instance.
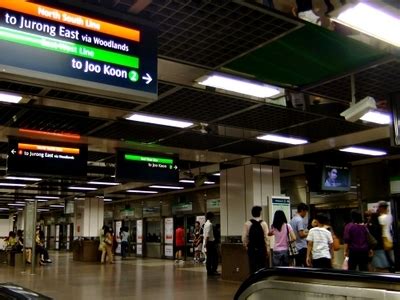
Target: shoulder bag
(292, 249)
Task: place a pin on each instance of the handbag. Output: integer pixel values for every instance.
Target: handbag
(387, 244)
(292, 249)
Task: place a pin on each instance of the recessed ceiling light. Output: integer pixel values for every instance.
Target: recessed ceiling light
(376, 117)
(142, 192)
(10, 98)
(166, 187)
(365, 151)
(239, 85)
(370, 19)
(103, 183)
(158, 120)
(13, 184)
(282, 139)
(186, 181)
(23, 178)
(81, 188)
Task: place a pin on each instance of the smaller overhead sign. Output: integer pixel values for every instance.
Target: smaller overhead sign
(46, 158)
(147, 167)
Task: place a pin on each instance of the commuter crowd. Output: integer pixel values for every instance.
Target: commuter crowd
(367, 243)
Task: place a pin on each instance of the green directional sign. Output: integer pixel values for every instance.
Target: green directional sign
(147, 167)
(160, 160)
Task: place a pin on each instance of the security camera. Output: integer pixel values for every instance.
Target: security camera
(356, 111)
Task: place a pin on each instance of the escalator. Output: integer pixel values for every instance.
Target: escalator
(312, 284)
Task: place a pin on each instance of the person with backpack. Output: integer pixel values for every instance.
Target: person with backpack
(254, 239)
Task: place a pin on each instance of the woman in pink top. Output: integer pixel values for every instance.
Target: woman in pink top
(282, 231)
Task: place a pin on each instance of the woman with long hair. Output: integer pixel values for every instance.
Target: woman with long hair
(283, 233)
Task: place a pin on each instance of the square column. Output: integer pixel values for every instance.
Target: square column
(243, 187)
(89, 217)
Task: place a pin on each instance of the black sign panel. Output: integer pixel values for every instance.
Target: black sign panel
(79, 50)
(147, 167)
(46, 158)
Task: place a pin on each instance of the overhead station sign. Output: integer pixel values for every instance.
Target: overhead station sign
(146, 167)
(45, 158)
(78, 49)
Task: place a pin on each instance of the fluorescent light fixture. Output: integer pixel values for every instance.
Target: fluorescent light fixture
(186, 181)
(359, 150)
(107, 200)
(13, 184)
(79, 198)
(166, 187)
(158, 120)
(376, 117)
(16, 204)
(209, 182)
(48, 197)
(10, 98)
(113, 176)
(43, 209)
(142, 192)
(23, 178)
(103, 183)
(81, 188)
(57, 205)
(217, 174)
(282, 139)
(239, 85)
(371, 20)
(4, 208)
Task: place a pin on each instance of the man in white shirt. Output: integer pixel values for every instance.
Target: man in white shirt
(319, 247)
(386, 220)
(211, 247)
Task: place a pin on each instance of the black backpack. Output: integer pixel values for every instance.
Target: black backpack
(256, 235)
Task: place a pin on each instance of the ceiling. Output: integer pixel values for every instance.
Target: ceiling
(196, 37)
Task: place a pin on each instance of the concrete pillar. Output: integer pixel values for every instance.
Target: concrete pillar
(89, 217)
(243, 187)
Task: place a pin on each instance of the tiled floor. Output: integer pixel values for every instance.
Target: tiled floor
(129, 279)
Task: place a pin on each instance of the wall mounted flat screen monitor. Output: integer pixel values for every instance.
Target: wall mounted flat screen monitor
(46, 158)
(63, 45)
(147, 167)
(335, 178)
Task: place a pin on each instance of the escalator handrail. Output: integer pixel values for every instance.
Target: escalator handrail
(332, 274)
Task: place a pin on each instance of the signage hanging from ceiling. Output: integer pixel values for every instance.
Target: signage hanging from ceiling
(46, 158)
(71, 48)
(147, 167)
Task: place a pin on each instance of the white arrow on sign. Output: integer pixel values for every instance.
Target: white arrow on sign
(13, 151)
(147, 78)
